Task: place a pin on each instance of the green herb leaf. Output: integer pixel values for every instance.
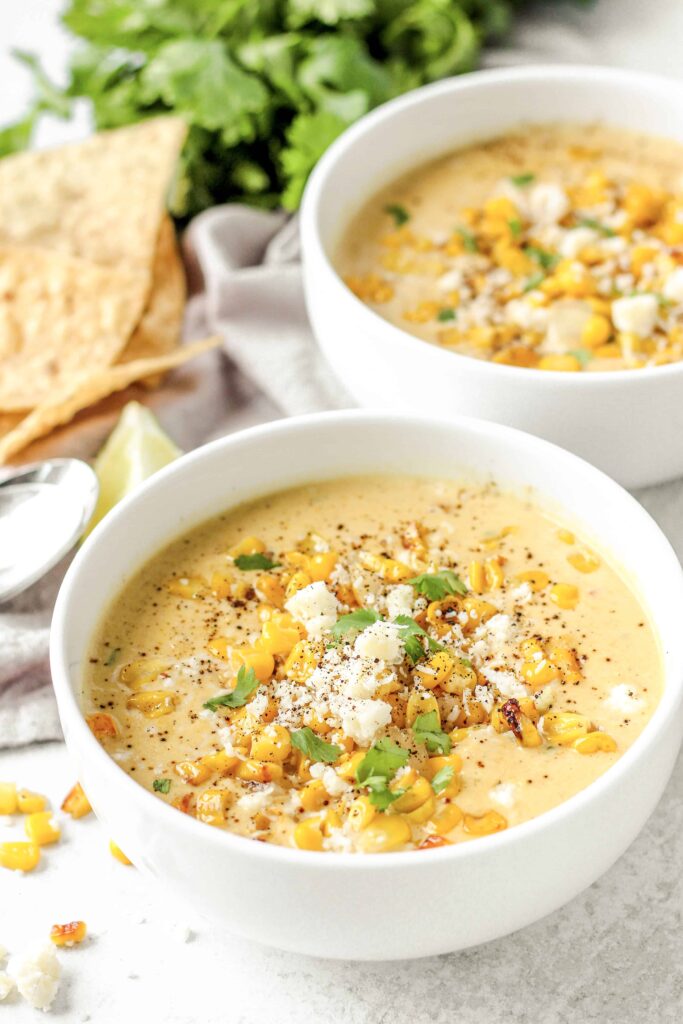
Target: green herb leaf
(355, 621)
(161, 785)
(313, 747)
(383, 760)
(255, 562)
(546, 260)
(442, 779)
(411, 633)
(113, 655)
(533, 282)
(437, 585)
(399, 213)
(426, 729)
(515, 226)
(522, 179)
(380, 795)
(469, 240)
(466, 662)
(590, 222)
(446, 314)
(237, 698)
(582, 354)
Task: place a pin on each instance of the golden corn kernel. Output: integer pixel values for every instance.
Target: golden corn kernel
(142, 672)
(485, 824)
(302, 661)
(321, 565)
(203, 768)
(463, 676)
(117, 852)
(297, 581)
(564, 727)
(420, 703)
(433, 765)
(221, 584)
(478, 611)
(279, 634)
(259, 771)
(41, 828)
(565, 595)
(68, 934)
(211, 806)
(458, 735)
(564, 363)
(493, 568)
(414, 796)
(272, 743)
(152, 703)
(437, 671)
(594, 742)
(261, 661)
(433, 842)
(423, 812)
(220, 763)
(361, 813)
(187, 586)
(30, 803)
(247, 546)
(477, 576)
(596, 331)
(565, 659)
(8, 798)
(270, 589)
(539, 671)
(330, 820)
(385, 833)
(347, 769)
(19, 856)
(308, 835)
(101, 725)
(566, 536)
(389, 569)
(313, 796)
(584, 561)
(642, 203)
(447, 819)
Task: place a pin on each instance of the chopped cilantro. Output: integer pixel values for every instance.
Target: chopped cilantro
(590, 222)
(582, 354)
(355, 621)
(446, 314)
(533, 282)
(468, 239)
(515, 226)
(466, 662)
(443, 778)
(378, 768)
(411, 633)
(112, 657)
(437, 585)
(546, 260)
(313, 747)
(161, 785)
(255, 562)
(522, 179)
(237, 698)
(399, 213)
(427, 730)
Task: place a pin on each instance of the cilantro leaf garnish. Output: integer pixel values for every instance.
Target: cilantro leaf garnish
(443, 778)
(161, 785)
(468, 240)
(546, 260)
(533, 282)
(378, 768)
(447, 313)
(112, 657)
(237, 698)
(437, 585)
(582, 354)
(256, 561)
(466, 662)
(398, 212)
(411, 633)
(313, 747)
(515, 226)
(522, 179)
(427, 730)
(355, 621)
(596, 225)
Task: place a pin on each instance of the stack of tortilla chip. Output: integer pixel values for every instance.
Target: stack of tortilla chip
(92, 289)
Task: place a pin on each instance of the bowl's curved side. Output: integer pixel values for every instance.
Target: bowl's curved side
(615, 419)
(345, 905)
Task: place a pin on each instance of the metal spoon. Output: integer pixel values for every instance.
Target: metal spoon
(44, 509)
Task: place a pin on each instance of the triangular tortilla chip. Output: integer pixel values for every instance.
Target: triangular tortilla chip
(59, 317)
(86, 390)
(99, 200)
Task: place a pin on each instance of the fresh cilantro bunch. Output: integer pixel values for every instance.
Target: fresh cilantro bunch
(266, 85)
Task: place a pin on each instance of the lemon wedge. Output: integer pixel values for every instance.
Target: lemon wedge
(136, 448)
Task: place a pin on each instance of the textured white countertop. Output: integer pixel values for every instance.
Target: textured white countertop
(612, 956)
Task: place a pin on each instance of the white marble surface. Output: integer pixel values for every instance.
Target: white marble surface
(612, 956)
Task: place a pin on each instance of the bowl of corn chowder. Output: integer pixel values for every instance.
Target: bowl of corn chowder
(336, 658)
(510, 246)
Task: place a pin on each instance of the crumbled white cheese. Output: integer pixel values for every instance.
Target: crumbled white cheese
(254, 803)
(485, 696)
(525, 315)
(673, 286)
(4, 953)
(623, 698)
(575, 241)
(548, 203)
(400, 600)
(635, 314)
(380, 642)
(334, 785)
(316, 607)
(503, 794)
(506, 682)
(364, 719)
(36, 976)
(257, 706)
(339, 840)
(450, 282)
(522, 594)
(6, 985)
(227, 736)
(545, 697)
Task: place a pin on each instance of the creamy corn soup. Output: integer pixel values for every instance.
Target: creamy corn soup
(558, 247)
(373, 664)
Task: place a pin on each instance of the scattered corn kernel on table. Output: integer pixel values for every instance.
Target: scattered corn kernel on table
(612, 955)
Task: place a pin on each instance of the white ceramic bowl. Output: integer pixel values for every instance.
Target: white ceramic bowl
(371, 906)
(626, 422)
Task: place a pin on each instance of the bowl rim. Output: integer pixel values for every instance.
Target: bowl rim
(362, 130)
(170, 818)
